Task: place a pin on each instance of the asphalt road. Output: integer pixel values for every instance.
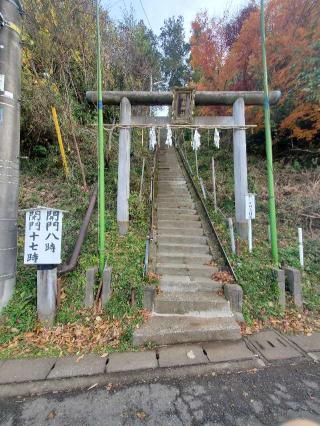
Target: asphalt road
(264, 397)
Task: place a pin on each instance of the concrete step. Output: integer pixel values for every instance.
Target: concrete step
(182, 224)
(207, 304)
(176, 205)
(192, 270)
(174, 191)
(180, 232)
(187, 259)
(183, 249)
(167, 174)
(170, 180)
(174, 198)
(185, 239)
(176, 283)
(178, 216)
(168, 330)
(176, 210)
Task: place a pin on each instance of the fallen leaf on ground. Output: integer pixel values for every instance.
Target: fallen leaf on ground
(223, 277)
(93, 386)
(52, 414)
(141, 415)
(80, 358)
(191, 355)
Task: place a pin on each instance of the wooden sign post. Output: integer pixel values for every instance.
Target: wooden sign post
(43, 235)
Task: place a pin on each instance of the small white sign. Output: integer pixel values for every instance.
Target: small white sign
(250, 207)
(8, 95)
(43, 235)
(1, 83)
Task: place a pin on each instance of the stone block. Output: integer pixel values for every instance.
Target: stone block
(281, 280)
(272, 346)
(234, 293)
(315, 356)
(91, 279)
(307, 343)
(25, 370)
(227, 351)
(149, 294)
(181, 355)
(293, 279)
(75, 366)
(126, 361)
(106, 286)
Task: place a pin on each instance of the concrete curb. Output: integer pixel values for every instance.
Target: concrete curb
(36, 376)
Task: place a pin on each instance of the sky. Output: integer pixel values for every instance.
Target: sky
(159, 10)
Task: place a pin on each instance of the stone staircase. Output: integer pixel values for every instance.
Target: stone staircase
(190, 306)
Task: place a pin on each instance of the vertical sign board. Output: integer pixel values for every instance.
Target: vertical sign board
(43, 234)
(250, 207)
(2, 82)
(250, 214)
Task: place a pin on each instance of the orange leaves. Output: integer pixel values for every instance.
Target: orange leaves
(223, 277)
(227, 56)
(73, 338)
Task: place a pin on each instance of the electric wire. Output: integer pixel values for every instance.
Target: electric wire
(145, 13)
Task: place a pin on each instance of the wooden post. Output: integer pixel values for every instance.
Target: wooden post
(124, 168)
(214, 191)
(250, 235)
(233, 244)
(301, 255)
(47, 293)
(141, 181)
(197, 169)
(240, 168)
(203, 188)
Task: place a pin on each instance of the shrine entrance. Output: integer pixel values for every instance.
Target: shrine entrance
(182, 103)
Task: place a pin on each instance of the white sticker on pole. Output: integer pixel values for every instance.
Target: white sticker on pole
(2, 77)
(250, 207)
(43, 235)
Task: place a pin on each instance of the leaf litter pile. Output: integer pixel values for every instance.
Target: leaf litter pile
(95, 333)
(292, 322)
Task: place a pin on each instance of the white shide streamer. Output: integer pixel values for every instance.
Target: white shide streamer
(216, 138)
(152, 139)
(196, 141)
(169, 136)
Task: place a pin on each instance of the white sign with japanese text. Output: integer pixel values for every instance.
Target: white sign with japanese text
(43, 235)
(250, 207)
(2, 83)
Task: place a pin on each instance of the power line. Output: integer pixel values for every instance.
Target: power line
(145, 13)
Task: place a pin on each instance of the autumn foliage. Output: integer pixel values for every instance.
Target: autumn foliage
(226, 55)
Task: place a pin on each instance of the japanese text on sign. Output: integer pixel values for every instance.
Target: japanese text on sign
(250, 207)
(43, 237)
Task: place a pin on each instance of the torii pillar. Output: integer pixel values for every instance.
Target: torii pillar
(124, 168)
(240, 168)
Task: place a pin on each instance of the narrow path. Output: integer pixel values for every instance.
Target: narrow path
(190, 306)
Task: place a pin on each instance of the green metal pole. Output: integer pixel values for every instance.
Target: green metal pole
(272, 204)
(102, 241)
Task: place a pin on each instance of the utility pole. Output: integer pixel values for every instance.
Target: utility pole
(10, 88)
(272, 202)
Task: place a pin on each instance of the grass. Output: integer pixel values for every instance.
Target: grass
(76, 329)
(254, 271)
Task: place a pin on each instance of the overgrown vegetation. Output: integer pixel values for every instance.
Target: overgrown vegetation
(254, 271)
(76, 329)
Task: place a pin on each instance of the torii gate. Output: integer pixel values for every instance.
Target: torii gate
(236, 121)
